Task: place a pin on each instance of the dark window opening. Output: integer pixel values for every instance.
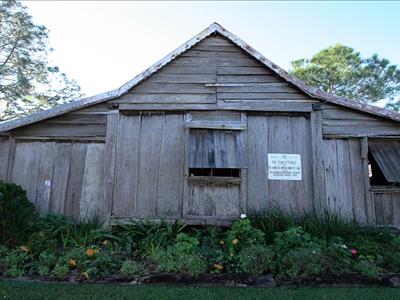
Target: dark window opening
(216, 172)
(376, 176)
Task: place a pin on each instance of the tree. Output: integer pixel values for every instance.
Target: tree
(342, 71)
(27, 81)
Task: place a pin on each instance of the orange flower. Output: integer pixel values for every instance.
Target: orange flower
(85, 274)
(72, 263)
(91, 252)
(235, 241)
(219, 267)
(24, 248)
(105, 242)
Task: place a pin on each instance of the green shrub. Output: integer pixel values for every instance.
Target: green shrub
(243, 234)
(256, 259)
(183, 256)
(16, 263)
(367, 265)
(17, 214)
(299, 262)
(130, 268)
(271, 220)
(294, 237)
(39, 242)
(60, 271)
(328, 224)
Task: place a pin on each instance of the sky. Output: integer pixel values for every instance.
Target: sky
(104, 44)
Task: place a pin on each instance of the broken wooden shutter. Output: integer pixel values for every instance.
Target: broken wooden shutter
(387, 156)
(210, 148)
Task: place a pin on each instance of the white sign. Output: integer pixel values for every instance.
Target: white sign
(284, 166)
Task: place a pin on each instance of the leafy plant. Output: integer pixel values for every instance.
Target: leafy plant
(60, 271)
(131, 268)
(256, 259)
(17, 214)
(271, 220)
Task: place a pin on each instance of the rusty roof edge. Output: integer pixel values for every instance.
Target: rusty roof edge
(309, 90)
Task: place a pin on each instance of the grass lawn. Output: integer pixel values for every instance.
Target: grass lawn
(24, 290)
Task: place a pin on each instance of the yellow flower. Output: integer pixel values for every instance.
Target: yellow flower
(221, 242)
(219, 267)
(235, 241)
(85, 274)
(72, 263)
(105, 242)
(24, 248)
(91, 252)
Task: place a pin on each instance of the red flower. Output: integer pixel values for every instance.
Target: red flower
(354, 252)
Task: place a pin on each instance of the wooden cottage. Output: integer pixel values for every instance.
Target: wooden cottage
(212, 130)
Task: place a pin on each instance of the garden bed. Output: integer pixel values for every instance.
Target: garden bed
(269, 248)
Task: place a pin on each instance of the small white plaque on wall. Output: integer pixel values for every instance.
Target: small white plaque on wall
(284, 166)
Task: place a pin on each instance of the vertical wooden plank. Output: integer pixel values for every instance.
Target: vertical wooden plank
(171, 172)
(331, 176)
(195, 203)
(280, 139)
(212, 196)
(149, 160)
(187, 191)
(75, 180)
(20, 165)
(92, 181)
(257, 149)
(32, 174)
(232, 204)
(60, 177)
(4, 154)
(357, 177)
(105, 209)
(317, 160)
(396, 208)
(300, 144)
(243, 172)
(345, 181)
(127, 158)
(369, 205)
(45, 178)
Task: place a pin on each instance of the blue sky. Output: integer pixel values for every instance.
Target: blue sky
(104, 44)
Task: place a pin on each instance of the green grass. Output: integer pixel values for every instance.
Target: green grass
(25, 290)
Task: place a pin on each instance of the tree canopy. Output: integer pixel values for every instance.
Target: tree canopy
(342, 71)
(27, 80)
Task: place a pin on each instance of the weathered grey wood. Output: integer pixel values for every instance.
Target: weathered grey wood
(215, 116)
(45, 178)
(217, 61)
(60, 177)
(257, 149)
(249, 78)
(4, 154)
(187, 70)
(61, 130)
(32, 170)
(81, 118)
(215, 125)
(270, 105)
(387, 210)
(243, 70)
(317, 159)
(216, 41)
(362, 130)
(149, 161)
(20, 165)
(369, 205)
(331, 176)
(171, 168)
(75, 180)
(168, 98)
(127, 165)
(219, 48)
(256, 88)
(357, 179)
(172, 88)
(183, 78)
(109, 163)
(345, 181)
(260, 96)
(92, 181)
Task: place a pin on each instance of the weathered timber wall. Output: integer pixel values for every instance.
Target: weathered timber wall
(278, 134)
(59, 177)
(343, 122)
(214, 60)
(387, 207)
(149, 166)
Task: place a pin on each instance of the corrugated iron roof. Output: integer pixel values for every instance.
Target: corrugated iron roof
(387, 156)
(213, 28)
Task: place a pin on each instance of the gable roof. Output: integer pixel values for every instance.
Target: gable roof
(213, 28)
